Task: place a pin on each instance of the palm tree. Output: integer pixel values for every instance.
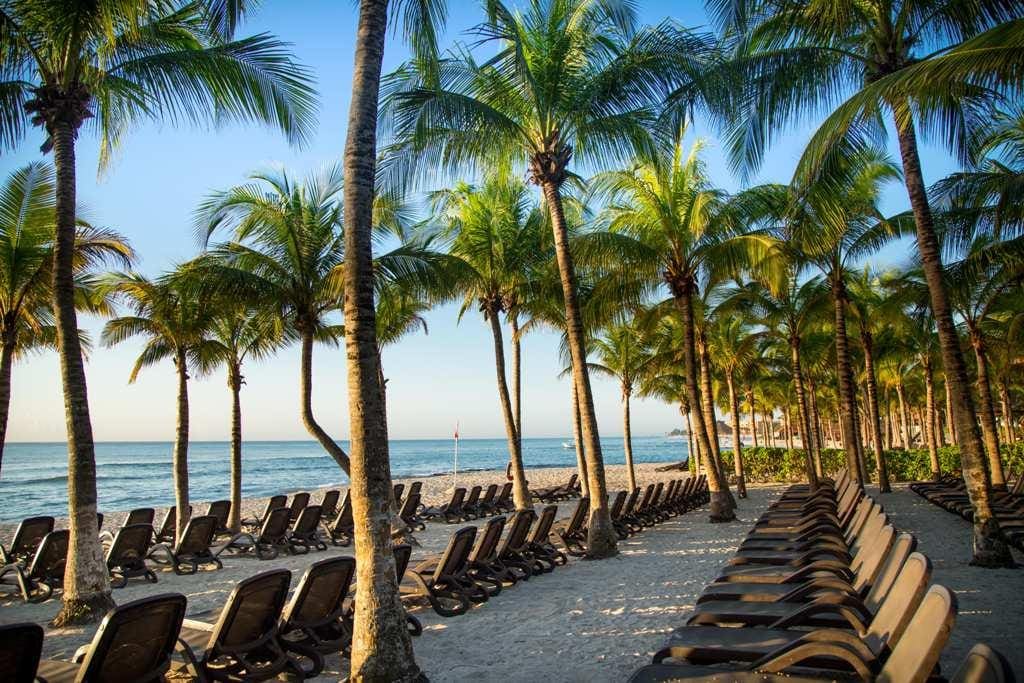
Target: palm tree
(237, 333)
(570, 79)
(621, 355)
(118, 63)
(496, 230)
(27, 201)
(930, 63)
(175, 323)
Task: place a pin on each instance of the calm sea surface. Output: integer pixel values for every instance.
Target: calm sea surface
(34, 476)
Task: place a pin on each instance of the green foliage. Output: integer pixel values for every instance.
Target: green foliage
(764, 464)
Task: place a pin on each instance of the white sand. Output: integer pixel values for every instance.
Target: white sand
(601, 620)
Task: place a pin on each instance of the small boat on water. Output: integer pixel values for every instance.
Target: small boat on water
(566, 444)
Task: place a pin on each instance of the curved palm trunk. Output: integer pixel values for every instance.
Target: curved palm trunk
(381, 645)
(517, 378)
(753, 415)
(737, 444)
(692, 458)
(929, 399)
(847, 400)
(901, 398)
(627, 439)
(86, 595)
(987, 413)
(819, 437)
(806, 435)
(306, 400)
(708, 406)
(180, 457)
(601, 537)
(990, 548)
(6, 366)
(789, 428)
(235, 383)
(721, 503)
(520, 493)
(950, 419)
(577, 434)
(873, 415)
(1005, 407)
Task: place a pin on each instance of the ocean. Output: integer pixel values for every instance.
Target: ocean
(129, 475)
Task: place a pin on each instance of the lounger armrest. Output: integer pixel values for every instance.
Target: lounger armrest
(4, 557)
(799, 651)
(197, 625)
(830, 566)
(80, 653)
(824, 583)
(838, 605)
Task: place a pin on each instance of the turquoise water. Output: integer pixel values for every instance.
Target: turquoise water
(34, 476)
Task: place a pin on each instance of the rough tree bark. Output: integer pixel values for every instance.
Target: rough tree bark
(929, 397)
(520, 493)
(867, 344)
(737, 445)
(810, 446)
(577, 434)
(306, 401)
(180, 456)
(847, 400)
(627, 436)
(987, 413)
(235, 381)
(6, 366)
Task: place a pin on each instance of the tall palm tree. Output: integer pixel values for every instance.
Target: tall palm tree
(174, 323)
(571, 79)
(496, 230)
(237, 333)
(924, 63)
(118, 63)
(27, 200)
(621, 355)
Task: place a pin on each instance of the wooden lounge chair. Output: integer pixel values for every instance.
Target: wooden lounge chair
(574, 534)
(624, 525)
(615, 512)
(483, 566)
(244, 643)
(20, 649)
(140, 516)
(27, 537)
(503, 502)
(269, 542)
(469, 505)
(299, 501)
(37, 582)
(557, 493)
(342, 530)
(305, 533)
(169, 526)
(192, 551)
(409, 514)
(398, 490)
(486, 505)
(984, 665)
(451, 511)
(514, 553)
(220, 510)
(546, 556)
(126, 558)
(403, 553)
(329, 504)
(273, 503)
(135, 642)
(316, 621)
(443, 580)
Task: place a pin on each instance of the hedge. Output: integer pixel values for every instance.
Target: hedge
(763, 464)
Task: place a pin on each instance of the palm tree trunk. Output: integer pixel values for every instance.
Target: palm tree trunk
(708, 395)
(517, 377)
(577, 434)
(929, 399)
(1005, 408)
(816, 428)
(990, 548)
(867, 343)
(901, 397)
(807, 437)
(737, 445)
(86, 596)
(601, 537)
(950, 419)
(987, 413)
(235, 382)
(693, 450)
(520, 493)
(381, 645)
(306, 400)
(789, 429)
(400, 532)
(847, 400)
(6, 366)
(627, 439)
(721, 504)
(180, 457)
(753, 415)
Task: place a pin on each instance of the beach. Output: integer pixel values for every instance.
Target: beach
(593, 620)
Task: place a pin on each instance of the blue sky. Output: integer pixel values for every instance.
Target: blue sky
(163, 171)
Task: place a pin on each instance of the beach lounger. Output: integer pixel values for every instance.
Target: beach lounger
(27, 537)
(469, 505)
(329, 504)
(615, 512)
(574, 534)
(403, 553)
(243, 644)
(169, 526)
(269, 542)
(514, 551)
(220, 510)
(983, 664)
(192, 551)
(342, 530)
(408, 512)
(398, 490)
(546, 556)
(20, 648)
(486, 505)
(557, 493)
(126, 558)
(443, 580)
(623, 523)
(305, 533)
(44, 573)
(451, 511)
(275, 502)
(316, 621)
(299, 502)
(504, 503)
(483, 566)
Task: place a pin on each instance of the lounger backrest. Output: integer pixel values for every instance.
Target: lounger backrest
(656, 496)
(506, 492)
(329, 503)
(130, 544)
(455, 555)
(169, 526)
(869, 530)
(299, 502)
(20, 647)
(398, 490)
(198, 536)
(542, 531)
(579, 515)
(646, 500)
(135, 640)
(571, 486)
(320, 596)
(631, 502)
(251, 613)
(516, 537)
(489, 494)
(415, 487)
(278, 501)
(344, 519)
(895, 612)
(309, 519)
(140, 516)
(473, 497)
(859, 518)
(29, 535)
(220, 509)
(409, 505)
(487, 544)
(616, 510)
(403, 553)
(870, 556)
(275, 525)
(917, 651)
(51, 557)
(458, 496)
(984, 665)
(888, 570)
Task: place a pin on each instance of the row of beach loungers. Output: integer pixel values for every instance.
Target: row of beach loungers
(823, 588)
(950, 493)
